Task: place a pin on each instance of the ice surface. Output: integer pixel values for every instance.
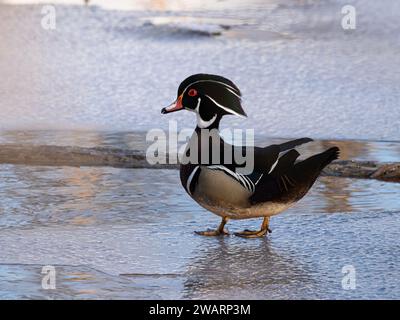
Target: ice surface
(129, 234)
(300, 72)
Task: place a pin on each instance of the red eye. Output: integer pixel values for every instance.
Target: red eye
(192, 93)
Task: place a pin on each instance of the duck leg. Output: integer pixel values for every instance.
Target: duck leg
(219, 232)
(256, 233)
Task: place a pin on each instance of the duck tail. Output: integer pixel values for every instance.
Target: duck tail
(306, 172)
(310, 168)
(329, 155)
(290, 182)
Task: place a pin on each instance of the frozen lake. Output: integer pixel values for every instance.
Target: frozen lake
(301, 74)
(120, 233)
(129, 233)
(100, 80)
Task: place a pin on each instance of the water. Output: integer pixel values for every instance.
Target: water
(101, 78)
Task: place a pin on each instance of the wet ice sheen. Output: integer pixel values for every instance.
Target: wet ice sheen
(130, 232)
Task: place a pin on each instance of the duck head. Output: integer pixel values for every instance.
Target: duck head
(210, 97)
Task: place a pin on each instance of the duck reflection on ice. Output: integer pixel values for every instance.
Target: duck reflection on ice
(236, 269)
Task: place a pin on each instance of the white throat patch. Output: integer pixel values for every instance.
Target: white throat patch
(202, 124)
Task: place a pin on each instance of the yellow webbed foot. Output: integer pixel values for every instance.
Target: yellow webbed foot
(213, 233)
(252, 233)
(256, 233)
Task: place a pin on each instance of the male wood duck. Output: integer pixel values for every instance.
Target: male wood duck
(277, 180)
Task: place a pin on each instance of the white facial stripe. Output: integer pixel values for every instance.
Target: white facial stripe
(200, 122)
(215, 81)
(224, 108)
(231, 91)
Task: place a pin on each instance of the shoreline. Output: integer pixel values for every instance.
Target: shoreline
(53, 155)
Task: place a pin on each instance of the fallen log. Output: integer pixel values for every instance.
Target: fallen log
(51, 155)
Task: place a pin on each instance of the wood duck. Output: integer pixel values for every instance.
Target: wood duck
(277, 180)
